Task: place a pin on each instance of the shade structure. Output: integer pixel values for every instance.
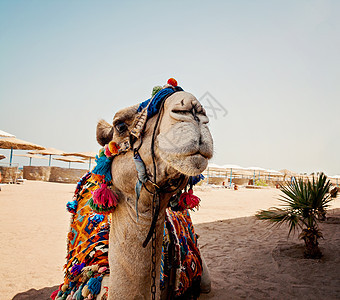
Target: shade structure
(232, 168)
(288, 172)
(69, 160)
(5, 134)
(30, 156)
(87, 155)
(254, 169)
(214, 166)
(2, 156)
(14, 143)
(49, 152)
(337, 178)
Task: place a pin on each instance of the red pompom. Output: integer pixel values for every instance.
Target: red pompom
(189, 200)
(104, 196)
(172, 81)
(54, 294)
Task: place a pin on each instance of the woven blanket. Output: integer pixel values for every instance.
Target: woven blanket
(88, 241)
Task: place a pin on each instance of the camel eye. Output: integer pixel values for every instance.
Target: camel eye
(121, 127)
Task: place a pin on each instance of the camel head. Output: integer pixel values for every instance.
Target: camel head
(174, 136)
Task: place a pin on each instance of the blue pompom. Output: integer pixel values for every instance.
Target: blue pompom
(94, 285)
(96, 218)
(72, 206)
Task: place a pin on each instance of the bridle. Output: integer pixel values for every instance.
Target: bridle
(137, 134)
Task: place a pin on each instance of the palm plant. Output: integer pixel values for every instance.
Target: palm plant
(304, 204)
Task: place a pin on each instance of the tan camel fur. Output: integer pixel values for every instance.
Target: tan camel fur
(183, 145)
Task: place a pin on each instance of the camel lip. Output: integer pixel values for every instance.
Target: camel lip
(199, 153)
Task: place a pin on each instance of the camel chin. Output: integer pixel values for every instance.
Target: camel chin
(190, 165)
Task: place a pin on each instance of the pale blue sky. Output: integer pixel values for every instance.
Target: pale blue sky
(274, 65)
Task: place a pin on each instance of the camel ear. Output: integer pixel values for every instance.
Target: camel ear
(104, 133)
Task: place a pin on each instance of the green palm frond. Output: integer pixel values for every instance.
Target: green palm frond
(280, 216)
(319, 189)
(295, 194)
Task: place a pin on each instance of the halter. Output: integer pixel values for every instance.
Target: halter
(141, 171)
(147, 109)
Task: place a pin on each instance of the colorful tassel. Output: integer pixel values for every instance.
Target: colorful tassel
(155, 90)
(54, 294)
(103, 167)
(76, 269)
(114, 148)
(104, 196)
(64, 287)
(77, 295)
(188, 200)
(72, 206)
(94, 285)
(85, 291)
(104, 200)
(102, 270)
(72, 284)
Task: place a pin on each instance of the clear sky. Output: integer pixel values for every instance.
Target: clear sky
(273, 65)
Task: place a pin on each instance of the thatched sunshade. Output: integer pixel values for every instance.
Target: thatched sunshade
(48, 151)
(14, 143)
(6, 134)
(336, 177)
(287, 173)
(30, 156)
(87, 155)
(254, 169)
(69, 160)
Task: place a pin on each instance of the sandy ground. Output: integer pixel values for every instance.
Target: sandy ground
(247, 259)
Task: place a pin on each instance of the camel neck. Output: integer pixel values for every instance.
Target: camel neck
(129, 261)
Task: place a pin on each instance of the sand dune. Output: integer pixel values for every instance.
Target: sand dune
(247, 259)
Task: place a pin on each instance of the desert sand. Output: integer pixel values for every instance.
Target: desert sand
(247, 258)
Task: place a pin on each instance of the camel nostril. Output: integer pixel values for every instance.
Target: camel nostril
(194, 114)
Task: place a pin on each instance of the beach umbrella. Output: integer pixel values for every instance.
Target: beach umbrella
(2, 156)
(86, 155)
(30, 156)
(69, 160)
(14, 143)
(5, 134)
(49, 152)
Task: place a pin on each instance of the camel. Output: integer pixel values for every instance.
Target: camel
(174, 143)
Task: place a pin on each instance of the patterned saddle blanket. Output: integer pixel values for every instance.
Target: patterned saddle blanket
(88, 241)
